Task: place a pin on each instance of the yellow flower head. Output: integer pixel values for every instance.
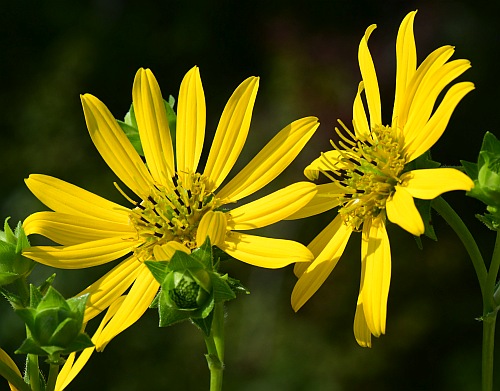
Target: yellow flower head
(176, 205)
(368, 181)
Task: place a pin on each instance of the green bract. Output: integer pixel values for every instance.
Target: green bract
(12, 264)
(190, 287)
(54, 324)
(486, 177)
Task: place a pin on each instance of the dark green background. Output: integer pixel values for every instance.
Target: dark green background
(306, 55)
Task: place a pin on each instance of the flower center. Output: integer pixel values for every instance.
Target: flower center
(172, 213)
(368, 170)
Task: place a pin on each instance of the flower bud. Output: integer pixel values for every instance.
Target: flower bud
(486, 177)
(12, 264)
(54, 323)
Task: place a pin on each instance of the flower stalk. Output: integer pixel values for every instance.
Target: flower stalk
(486, 279)
(215, 348)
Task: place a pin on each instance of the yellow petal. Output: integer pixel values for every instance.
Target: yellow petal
(330, 243)
(191, 120)
(271, 208)
(361, 331)
(326, 198)
(328, 161)
(5, 358)
(151, 117)
(401, 210)
(213, 225)
(69, 229)
(265, 252)
(428, 184)
(166, 251)
(114, 147)
(231, 132)
(137, 301)
(71, 368)
(82, 255)
(370, 78)
(110, 287)
(429, 66)
(360, 122)
(271, 160)
(66, 198)
(376, 256)
(426, 96)
(406, 64)
(432, 131)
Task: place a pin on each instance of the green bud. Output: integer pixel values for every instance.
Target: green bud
(54, 324)
(185, 291)
(190, 287)
(486, 177)
(12, 264)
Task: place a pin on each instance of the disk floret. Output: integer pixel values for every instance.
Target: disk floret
(368, 169)
(172, 213)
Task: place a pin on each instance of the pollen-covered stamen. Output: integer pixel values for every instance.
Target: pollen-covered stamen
(368, 170)
(171, 213)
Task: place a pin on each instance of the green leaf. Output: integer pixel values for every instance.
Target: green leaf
(237, 286)
(28, 316)
(130, 117)
(204, 324)
(53, 299)
(221, 289)
(133, 136)
(181, 261)
(35, 296)
(9, 235)
(7, 278)
(159, 269)
(22, 239)
(424, 208)
(65, 332)
(29, 346)
(154, 303)
(489, 220)
(82, 341)
(169, 315)
(171, 117)
(14, 300)
(46, 285)
(77, 306)
(203, 254)
(470, 169)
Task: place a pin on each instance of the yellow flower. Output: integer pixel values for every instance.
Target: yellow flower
(368, 180)
(174, 199)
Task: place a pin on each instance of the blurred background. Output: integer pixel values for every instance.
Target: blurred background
(306, 55)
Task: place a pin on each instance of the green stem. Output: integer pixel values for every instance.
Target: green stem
(51, 381)
(33, 372)
(493, 273)
(488, 350)
(486, 278)
(454, 220)
(13, 378)
(215, 348)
